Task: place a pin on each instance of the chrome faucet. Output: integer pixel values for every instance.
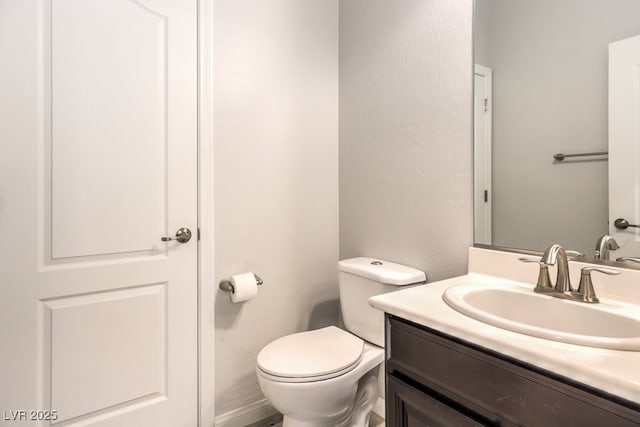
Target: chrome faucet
(556, 254)
(605, 244)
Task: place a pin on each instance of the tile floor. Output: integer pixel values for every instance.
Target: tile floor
(276, 421)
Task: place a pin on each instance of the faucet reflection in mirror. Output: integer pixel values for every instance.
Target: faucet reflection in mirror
(605, 244)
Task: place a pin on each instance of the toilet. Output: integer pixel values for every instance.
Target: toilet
(328, 377)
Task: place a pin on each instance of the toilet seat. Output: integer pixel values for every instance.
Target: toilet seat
(311, 356)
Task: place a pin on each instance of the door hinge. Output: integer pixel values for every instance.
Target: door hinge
(486, 199)
(486, 104)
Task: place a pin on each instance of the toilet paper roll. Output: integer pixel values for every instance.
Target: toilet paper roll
(245, 287)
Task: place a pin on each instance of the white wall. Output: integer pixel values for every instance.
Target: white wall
(405, 132)
(549, 61)
(276, 178)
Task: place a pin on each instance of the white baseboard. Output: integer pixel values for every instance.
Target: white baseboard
(378, 409)
(262, 409)
(246, 415)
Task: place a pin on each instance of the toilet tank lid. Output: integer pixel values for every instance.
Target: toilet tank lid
(386, 272)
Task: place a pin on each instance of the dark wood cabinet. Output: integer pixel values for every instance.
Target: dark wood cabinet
(408, 406)
(438, 380)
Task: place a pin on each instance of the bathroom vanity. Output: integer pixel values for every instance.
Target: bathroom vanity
(446, 368)
(436, 379)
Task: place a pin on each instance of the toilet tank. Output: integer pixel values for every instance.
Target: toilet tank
(360, 279)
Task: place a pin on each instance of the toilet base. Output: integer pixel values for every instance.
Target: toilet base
(343, 401)
(365, 400)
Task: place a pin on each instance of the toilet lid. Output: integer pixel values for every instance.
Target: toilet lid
(321, 352)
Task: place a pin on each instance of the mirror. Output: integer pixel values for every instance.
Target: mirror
(542, 88)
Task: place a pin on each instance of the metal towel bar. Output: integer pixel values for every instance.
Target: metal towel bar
(561, 156)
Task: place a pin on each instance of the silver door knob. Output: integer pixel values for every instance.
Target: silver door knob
(183, 235)
(623, 224)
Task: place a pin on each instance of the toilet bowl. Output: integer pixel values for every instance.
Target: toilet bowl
(317, 375)
(328, 377)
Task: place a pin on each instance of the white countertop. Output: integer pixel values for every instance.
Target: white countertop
(614, 371)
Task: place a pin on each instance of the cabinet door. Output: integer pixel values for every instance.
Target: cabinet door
(492, 389)
(407, 406)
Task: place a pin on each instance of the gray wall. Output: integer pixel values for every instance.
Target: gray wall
(549, 61)
(405, 167)
(276, 178)
(481, 29)
(405, 132)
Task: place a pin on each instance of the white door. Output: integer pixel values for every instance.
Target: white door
(624, 143)
(98, 155)
(482, 192)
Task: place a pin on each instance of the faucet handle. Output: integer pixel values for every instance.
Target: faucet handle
(543, 284)
(571, 252)
(586, 293)
(609, 271)
(629, 258)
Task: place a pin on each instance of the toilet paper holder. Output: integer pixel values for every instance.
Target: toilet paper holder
(226, 285)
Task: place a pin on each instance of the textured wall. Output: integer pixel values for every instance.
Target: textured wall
(405, 132)
(549, 62)
(481, 28)
(276, 178)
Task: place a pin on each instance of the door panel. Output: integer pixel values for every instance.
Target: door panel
(84, 351)
(108, 105)
(98, 161)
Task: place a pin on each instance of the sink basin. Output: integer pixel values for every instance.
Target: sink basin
(521, 310)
